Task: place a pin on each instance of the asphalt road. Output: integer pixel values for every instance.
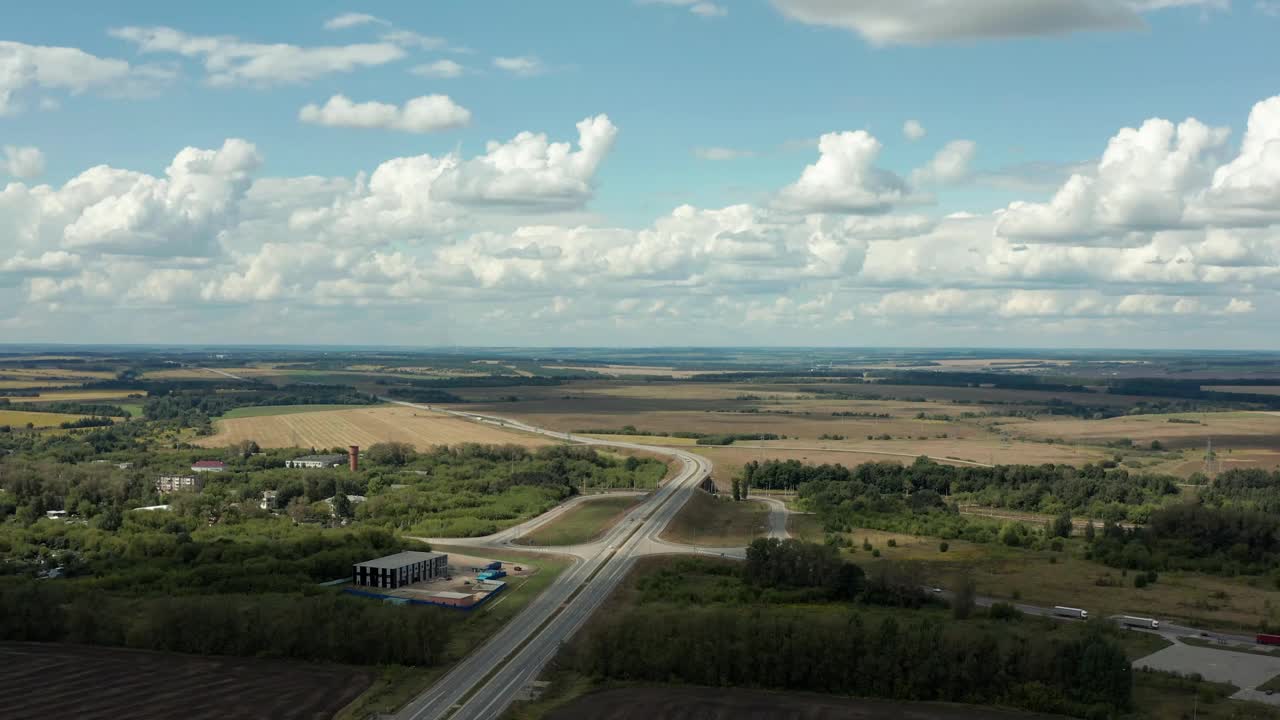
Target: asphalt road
(484, 683)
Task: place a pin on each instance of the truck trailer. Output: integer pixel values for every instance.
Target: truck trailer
(1071, 612)
(1268, 639)
(1140, 622)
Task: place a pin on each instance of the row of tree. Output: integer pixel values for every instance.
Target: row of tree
(1089, 490)
(322, 627)
(840, 650)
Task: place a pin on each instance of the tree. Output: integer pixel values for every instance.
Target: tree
(965, 598)
(390, 453)
(1062, 525)
(1089, 532)
(944, 546)
(737, 492)
(342, 505)
(297, 509)
(745, 486)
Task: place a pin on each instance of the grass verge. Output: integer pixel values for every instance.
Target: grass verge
(1163, 696)
(394, 687)
(584, 523)
(712, 522)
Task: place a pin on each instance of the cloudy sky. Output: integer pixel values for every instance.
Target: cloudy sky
(1063, 173)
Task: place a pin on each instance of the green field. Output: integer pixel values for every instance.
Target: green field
(19, 418)
(134, 409)
(584, 523)
(713, 522)
(268, 410)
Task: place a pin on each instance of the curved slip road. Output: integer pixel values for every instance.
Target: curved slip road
(485, 682)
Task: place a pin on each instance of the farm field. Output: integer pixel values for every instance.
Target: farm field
(644, 439)
(270, 410)
(77, 396)
(633, 370)
(1226, 429)
(28, 384)
(1246, 389)
(584, 523)
(97, 683)
(54, 374)
(713, 522)
(729, 460)
(18, 418)
(686, 703)
(364, 427)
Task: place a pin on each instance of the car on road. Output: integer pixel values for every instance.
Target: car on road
(937, 589)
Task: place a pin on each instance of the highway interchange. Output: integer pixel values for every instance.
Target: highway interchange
(488, 680)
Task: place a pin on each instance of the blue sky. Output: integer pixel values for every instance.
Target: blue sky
(1034, 98)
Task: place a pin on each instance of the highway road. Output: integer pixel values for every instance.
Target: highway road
(484, 683)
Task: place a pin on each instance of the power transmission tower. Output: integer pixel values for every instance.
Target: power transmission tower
(1211, 466)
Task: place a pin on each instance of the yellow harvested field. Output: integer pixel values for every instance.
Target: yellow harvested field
(1155, 427)
(78, 396)
(364, 427)
(19, 418)
(636, 370)
(61, 373)
(643, 439)
(693, 392)
(25, 384)
(1246, 389)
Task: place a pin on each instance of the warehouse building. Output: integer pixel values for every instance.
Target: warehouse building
(401, 569)
(317, 462)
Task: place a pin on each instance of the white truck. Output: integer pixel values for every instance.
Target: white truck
(1071, 612)
(1139, 622)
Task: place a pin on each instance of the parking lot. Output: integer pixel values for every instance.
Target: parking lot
(1244, 670)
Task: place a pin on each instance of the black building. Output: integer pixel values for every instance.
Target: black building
(401, 569)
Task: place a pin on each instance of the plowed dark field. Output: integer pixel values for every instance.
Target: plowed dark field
(673, 703)
(89, 683)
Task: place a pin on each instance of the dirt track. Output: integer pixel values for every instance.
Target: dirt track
(676, 703)
(91, 683)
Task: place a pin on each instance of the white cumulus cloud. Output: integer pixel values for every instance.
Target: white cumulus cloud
(38, 67)
(913, 130)
(950, 165)
(523, 65)
(108, 210)
(1143, 182)
(429, 113)
(845, 178)
(231, 61)
(22, 162)
(353, 19)
(439, 69)
(721, 153)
